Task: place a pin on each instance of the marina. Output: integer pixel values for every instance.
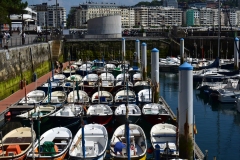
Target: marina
(115, 97)
(124, 99)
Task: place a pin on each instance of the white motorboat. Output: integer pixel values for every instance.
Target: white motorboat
(211, 74)
(38, 111)
(228, 95)
(121, 77)
(110, 66)
(107, 79)
(68, 111)
(58, 77)
(155, 113)
(145, 95)
(102, 97)
(74, 78)
(137, 77)
(56, 97)
(54, 144)
(123, 95)
(33, 97)
(90, 77)
(134, 113)
(138, 142)
(96, 141)
(99, 113)
(121, 83)
(17, 143)
(164, 135)
(78, 96)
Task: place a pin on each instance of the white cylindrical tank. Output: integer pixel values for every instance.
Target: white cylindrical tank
(123, 48)
(137, 50)
(144, 60)
(185, 99)
(182, 50)
(236, 57)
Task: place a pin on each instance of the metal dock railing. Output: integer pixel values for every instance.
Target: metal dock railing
(199, 154)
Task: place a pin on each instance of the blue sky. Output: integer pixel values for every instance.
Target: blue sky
(68, 3)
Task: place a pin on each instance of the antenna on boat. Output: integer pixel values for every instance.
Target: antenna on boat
(219, 25)
(25, 89)
(127, 125)
(33, 154)
(83, 139)
(49, 91)
(98, 90)
(39, 131)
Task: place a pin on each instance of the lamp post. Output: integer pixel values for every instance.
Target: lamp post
(23, 38)
(56, 16)
(46, 24)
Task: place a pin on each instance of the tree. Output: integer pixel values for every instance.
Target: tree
(3, 13)
(71, 17)
(14, 7)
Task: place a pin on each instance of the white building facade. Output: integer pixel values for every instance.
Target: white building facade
(92, 10)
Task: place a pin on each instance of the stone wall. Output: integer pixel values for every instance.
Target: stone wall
(16, 61)
(20, 63)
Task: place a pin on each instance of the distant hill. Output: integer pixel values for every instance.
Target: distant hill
(153, 3)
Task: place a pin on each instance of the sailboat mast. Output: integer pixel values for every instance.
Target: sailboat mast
(127, 125)
(33, 154)
(219, 20)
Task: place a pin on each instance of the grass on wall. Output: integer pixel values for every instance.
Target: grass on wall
(12, 85)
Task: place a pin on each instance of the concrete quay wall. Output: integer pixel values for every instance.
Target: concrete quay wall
(20, 63)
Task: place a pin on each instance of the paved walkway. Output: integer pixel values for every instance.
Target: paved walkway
(15, 97)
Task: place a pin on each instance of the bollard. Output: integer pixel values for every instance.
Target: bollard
(21, 84)
(34, 78)
(157, 152)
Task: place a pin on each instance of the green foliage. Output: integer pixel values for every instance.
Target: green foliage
(185, 147)
(153, 3)
(8, 7)
(70, 18)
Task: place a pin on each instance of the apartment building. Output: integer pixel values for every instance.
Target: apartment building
(91, 10)
(127, 16)
(208, 17)
(192, 17)
(50, 15)
(157, 16)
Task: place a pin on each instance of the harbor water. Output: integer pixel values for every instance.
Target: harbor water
(218, 125)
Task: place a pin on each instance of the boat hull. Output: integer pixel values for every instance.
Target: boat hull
(60, 157)
(144, 157)
(121, 119)
(17, 157)
(155, 119)
(105, 119)
(100, 157)
(64, 120)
